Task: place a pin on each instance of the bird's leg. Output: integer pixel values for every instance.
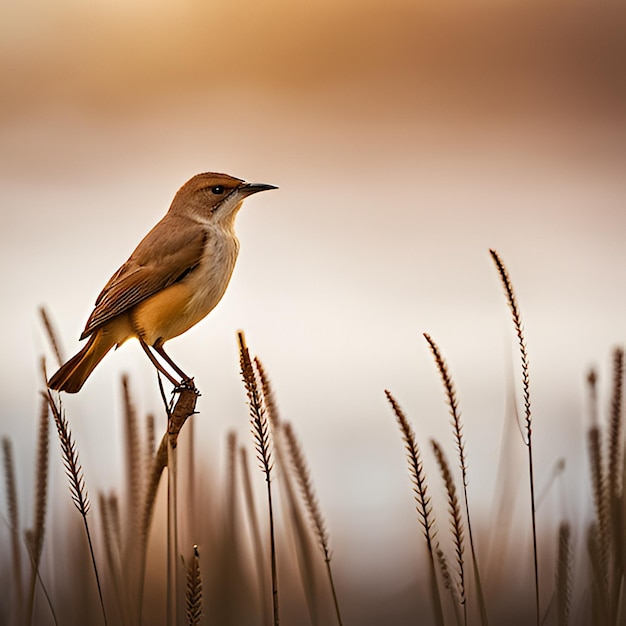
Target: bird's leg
(186, 380)
(159, 367)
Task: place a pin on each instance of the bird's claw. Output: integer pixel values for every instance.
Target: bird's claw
(186, 384)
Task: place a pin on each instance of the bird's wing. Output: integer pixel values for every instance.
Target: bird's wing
(169, 252)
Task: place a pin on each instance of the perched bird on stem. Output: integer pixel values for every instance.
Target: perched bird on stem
(173, 279)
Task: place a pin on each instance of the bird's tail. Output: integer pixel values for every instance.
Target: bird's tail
(72, 376)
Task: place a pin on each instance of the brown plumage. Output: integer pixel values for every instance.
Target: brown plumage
(173, 279)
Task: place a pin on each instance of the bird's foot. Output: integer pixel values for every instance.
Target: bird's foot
(186, 384)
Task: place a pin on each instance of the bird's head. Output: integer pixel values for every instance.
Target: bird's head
(212, 198)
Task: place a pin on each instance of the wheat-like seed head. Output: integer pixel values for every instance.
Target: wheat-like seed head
(194, 590)
(258, 415)
(453, 404)
(616, 426)
(14, 521)
(456, 521)
(41, 489)
(52, 335)
(303, 477)
(73, 468)
(600, 493)
(448, 583)
(519, 330)
(416, 472)
(599, 588)
(564, 574)
(11, 489)
(268, 396)
(134, 466)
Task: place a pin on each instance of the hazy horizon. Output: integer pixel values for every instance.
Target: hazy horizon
(405, 141)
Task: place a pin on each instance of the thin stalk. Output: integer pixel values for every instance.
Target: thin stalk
(303, 477)
(172, 535)
(615, 487)
(262, 440)
(256, 534)
(29, 543)
(448, 583)
(273, 553)
(14, 523)
(519, 330)
(460, 444)
(112, 554)
(74, 473)
(456, 523)
(183, 409)
(301, 538)
(35, 537)
(422, 501)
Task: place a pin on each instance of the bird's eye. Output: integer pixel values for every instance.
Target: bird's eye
(218, 190)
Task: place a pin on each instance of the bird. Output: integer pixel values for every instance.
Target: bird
(175, 277)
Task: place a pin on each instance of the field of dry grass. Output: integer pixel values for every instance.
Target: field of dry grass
(173, 546)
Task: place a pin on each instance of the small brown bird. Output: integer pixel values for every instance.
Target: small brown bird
(173, 279)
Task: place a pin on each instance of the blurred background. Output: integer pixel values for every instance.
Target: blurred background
(406, 139)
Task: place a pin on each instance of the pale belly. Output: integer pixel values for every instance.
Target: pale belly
(174, 310)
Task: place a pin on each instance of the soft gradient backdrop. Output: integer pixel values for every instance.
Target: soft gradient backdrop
(406, 140)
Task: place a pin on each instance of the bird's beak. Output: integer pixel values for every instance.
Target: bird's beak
(247, 189)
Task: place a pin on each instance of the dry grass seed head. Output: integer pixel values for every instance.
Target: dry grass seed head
(455, 516)
(258, 416)
(52, 336)
(41, 486)
(194, 590)
(268, 395)
(564, 574)
(303, 476)
(416, 472)
(519, 330)
(73, 468)
(453, 404)
(615, 425)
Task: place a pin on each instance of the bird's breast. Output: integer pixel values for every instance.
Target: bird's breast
(180, 306)
(208, 282)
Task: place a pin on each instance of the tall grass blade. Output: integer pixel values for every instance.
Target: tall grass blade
(194, 590)
(614, 480)
(172, 533)
(602, 527)
(112, 555)
(183, 409)
(53, 336)
(422, 500)
(35, 537)
(257, 544)
(74, 472)
(449, 584)
(262, 443)
(599, 598)
(564, 575)
(134, 478)
(519, 330)
(14, 527)
(298, 524)
(457, 427)
(456, 523)
(307, 491)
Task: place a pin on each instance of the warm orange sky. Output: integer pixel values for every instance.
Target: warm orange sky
(405, 141)
(117, 57)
